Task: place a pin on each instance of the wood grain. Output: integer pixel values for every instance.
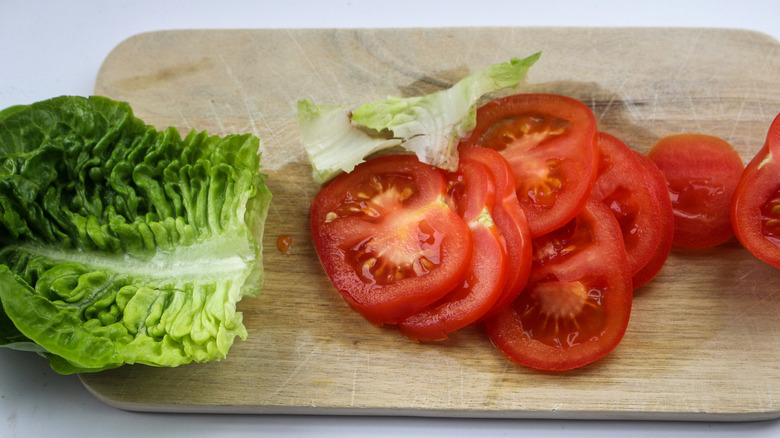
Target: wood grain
(704, 338)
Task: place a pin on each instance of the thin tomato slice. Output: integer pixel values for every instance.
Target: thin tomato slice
(473, 195)
(387, 239)
(702, 172)
(510, 219)
(576, 307)
(622, 186)
(657, 185)
(549, 142)
(755, 208)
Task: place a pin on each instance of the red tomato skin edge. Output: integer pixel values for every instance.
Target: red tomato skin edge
(399, 306)
(473, 195)
(760, 180)
(559, 106)
(403, 307)
(657, 183)
(511, 221)
(621, 168)
(773, 137)
(506, 331)
(453, 313)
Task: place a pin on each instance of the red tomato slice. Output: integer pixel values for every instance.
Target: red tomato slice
(657, 184)
(702, 172)
(549, 141)
(387, 239)
(755, 208)
(622, 186)
(473, 195)
(576, 307)
(510, 219)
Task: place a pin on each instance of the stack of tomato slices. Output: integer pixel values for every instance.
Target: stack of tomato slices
(542, 234)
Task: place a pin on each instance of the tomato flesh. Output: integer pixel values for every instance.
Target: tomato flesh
(387, 239)
(467, 302)
(576, 307)
(656, 183)
(702, 172)
(472, 194)
(755, 208)
(549, 142)
(510, 219)
(622, 185)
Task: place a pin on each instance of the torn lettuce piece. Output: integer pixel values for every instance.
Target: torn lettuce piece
(122, 244)
(431, 126)
(332, 143)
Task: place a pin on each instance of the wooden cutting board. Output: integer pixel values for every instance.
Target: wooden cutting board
(704, 338)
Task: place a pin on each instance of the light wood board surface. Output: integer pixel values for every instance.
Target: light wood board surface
(704, 337)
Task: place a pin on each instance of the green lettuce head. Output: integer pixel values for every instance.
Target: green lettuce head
(120, 243)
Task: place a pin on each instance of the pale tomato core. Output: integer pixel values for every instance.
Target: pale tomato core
(542, 176)
(770, 219)
(401, 252)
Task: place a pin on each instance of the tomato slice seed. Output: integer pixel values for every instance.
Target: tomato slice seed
(576, 307)
(770, 218)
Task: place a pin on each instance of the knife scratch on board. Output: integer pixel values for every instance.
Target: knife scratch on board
(217, 118)
(185, 121)
(195, 375)
(682, 71)
(122, 391)
(301, 50)
(318, 69)
(353, 388)
(251, 109)
(764, 298)
(289, 379)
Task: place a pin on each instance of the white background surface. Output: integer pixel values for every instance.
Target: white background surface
(50, 48)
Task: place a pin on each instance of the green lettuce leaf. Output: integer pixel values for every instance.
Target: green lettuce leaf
(123, 244)
(336, 138)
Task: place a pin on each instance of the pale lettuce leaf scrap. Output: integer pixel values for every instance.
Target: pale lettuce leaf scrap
(332, 142)
(337, 138)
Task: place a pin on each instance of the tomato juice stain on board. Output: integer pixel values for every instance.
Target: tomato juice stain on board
(284, 244)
